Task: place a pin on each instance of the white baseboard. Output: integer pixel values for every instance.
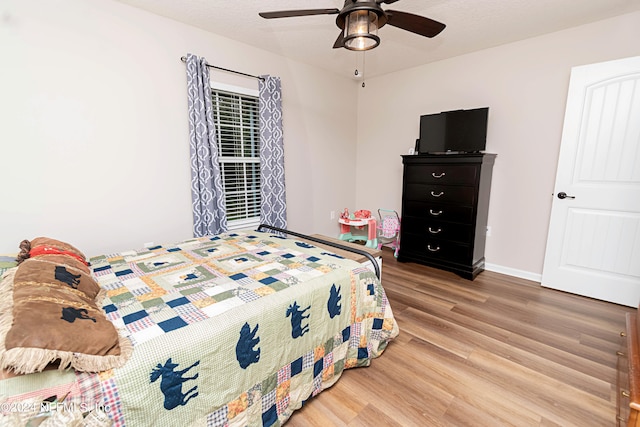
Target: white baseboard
(514, 272)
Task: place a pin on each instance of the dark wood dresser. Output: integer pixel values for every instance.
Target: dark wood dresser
(628, 382)
(445, 202)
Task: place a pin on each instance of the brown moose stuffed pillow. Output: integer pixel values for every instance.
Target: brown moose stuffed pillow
(49, 313)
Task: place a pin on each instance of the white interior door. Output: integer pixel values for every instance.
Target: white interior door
(593, 246)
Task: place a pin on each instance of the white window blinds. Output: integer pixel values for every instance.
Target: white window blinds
(238, 136)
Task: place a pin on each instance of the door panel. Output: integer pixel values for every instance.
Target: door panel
(609, 145)
(603, 241)
(593, 246)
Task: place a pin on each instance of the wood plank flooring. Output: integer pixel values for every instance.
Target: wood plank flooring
(494, 351)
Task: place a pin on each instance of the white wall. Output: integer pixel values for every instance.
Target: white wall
(94, 133)
(525, 85)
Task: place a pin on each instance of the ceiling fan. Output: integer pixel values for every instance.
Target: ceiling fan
(360, 20)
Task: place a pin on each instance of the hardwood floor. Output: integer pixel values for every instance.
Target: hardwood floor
(494, 351)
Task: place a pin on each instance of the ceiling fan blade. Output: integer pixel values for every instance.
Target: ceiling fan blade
(339, 41)
(414, 23)
(386, 1)
(292, 13)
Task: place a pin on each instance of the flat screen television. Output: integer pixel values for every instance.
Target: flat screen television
(458, 131)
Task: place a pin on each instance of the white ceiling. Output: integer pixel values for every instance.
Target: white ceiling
(471, 25)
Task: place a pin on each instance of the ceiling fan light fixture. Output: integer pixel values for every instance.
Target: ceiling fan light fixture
(361, 30)
(360, 20)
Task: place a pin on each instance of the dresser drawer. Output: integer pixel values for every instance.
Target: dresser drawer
(460, 195)
(622, 383)
(437, 211)
(441, 174)
(426, 248)
(438, 229)
(629, 374)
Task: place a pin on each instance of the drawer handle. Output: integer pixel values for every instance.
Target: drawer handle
(433, 174)
(434, 213)
(623, 334)
(625, 393)
(433, 249)
(619, 353)
(432, 231)
(437, 195)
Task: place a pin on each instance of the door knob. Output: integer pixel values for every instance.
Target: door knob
(563, 195)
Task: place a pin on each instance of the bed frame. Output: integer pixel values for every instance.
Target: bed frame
(370, 257)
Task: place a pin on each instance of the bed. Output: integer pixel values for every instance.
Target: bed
(236, 329)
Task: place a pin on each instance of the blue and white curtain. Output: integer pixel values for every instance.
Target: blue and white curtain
(209, 212)
(273, 208)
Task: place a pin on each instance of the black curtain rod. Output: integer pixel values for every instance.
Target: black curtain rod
(184, 59)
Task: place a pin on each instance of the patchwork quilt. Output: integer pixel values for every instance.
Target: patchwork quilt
(231, 330)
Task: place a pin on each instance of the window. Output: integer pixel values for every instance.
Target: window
(236, 116)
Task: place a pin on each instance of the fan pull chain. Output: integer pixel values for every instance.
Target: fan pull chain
(356, 72)
(363, 68)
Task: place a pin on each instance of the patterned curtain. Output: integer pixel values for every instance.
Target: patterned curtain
(273, 208)
(209, 212)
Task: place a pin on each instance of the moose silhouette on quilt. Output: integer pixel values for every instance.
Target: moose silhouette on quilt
(245, 352)
(333, 304)
(297, 316)
(171, 383)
